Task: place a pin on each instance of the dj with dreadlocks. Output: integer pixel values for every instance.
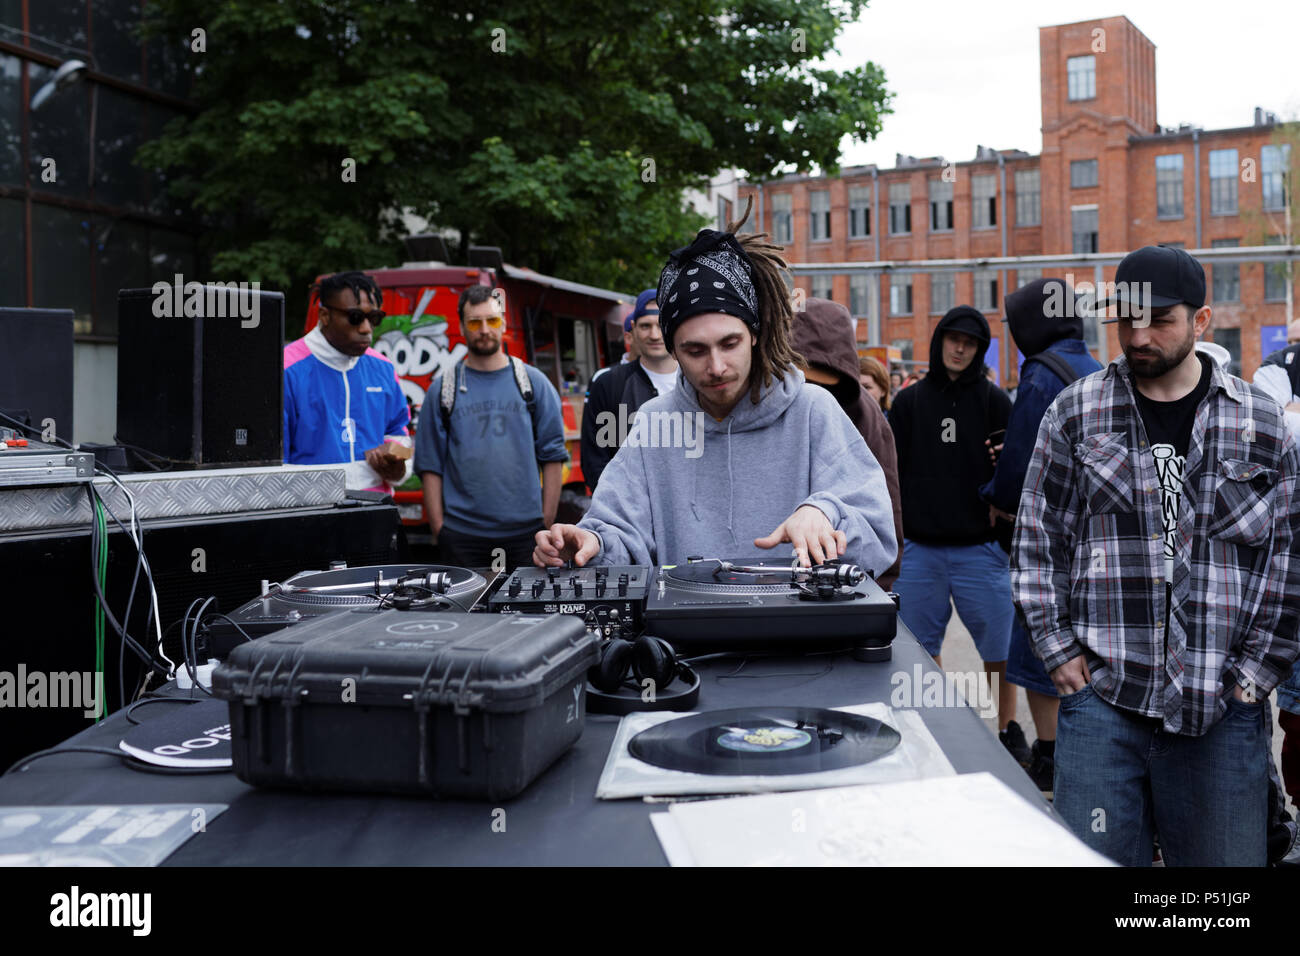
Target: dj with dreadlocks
(765, 458)
(341, 397)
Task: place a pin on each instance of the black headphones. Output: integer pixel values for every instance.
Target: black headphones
(649, 658)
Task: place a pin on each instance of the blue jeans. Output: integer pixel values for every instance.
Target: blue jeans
(1288, 692)
(977, 577)
(1024, 667)
(1120, 778)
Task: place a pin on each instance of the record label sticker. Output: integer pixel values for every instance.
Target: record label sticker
(764, 739)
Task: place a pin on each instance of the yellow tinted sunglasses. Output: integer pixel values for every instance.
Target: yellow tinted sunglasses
(492, 322)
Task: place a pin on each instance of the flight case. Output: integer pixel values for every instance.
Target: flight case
(449, 704)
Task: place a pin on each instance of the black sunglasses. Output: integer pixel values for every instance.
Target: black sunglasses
(356, 316)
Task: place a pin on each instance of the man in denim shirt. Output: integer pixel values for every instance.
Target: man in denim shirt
(1152, 564)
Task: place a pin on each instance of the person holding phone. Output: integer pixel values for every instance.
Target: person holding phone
(950, 552)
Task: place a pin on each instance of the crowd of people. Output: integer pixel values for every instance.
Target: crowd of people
(1119, 540)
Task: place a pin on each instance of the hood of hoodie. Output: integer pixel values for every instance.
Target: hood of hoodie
(774, 399)
(963, 318)
(825, 335)
(1030, 310)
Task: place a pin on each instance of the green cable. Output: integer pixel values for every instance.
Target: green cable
(102, 562)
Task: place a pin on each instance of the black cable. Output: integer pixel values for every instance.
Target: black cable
(233, 622)
(103, 601)
(21, 765)
(36, 431)
(157, 700)
(127, 761)
(192, 651)
(130, 600)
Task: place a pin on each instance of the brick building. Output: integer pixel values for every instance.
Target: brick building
(1108, 179)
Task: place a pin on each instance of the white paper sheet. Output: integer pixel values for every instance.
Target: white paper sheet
(967, 820)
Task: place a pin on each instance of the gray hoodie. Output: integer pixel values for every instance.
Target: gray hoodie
(740, 480)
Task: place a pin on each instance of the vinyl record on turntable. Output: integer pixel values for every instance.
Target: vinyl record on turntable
(767, 740)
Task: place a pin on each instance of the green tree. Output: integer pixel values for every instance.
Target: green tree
(1278, 225)
(564, 133)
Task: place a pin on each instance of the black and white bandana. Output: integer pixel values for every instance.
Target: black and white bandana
(712, 274)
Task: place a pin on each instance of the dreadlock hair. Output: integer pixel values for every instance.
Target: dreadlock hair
(774, 355)
(358, 282)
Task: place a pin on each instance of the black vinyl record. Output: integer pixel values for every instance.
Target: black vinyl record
(767, 740)
(709, 572)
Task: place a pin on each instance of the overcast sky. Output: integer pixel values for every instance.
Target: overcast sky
(967, 73)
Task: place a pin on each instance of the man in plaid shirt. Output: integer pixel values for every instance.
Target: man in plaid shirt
(1152, 564)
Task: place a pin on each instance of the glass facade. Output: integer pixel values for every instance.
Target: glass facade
(78, 215)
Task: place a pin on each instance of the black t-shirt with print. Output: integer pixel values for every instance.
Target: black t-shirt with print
(1170, 423)
(1169, 433)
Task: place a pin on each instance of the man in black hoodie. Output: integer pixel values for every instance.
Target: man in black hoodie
(950, 549)
(823, 335)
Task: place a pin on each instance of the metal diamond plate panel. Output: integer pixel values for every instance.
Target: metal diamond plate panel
(175, 495)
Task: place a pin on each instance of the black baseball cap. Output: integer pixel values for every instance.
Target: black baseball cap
(1157, 277)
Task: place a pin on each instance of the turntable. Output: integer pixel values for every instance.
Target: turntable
(763, 604)
(311, 594)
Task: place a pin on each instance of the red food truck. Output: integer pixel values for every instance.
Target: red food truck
(568, 330)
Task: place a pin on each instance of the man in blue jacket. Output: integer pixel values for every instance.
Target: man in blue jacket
(341, 397)
(1046, 328)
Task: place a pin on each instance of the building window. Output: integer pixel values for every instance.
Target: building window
(1230, 339)
(900, 293)
(1223, 182)
(821, 286)
(942, 292)
(724, 213)
(900, 210)
(986, 290)
(940, 206)
(1081, 76)
(859, 212)
(1083, 173)
(1028, 204)
(1275, 280)
(1083, 229)
(984, 202)
(782, 220)
(1026, 276)
(750, 224)
(860, 299)
(819, 214)
(1227, 278)
(1169, 186)
(1273, 161)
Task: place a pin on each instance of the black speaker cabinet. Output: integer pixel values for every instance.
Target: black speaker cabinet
(200, 374)
(36, 381)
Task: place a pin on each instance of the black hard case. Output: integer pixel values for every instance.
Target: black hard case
(449, 704)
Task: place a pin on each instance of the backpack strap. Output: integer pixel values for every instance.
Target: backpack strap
(1059, 366)
(447, 396)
